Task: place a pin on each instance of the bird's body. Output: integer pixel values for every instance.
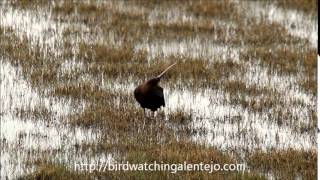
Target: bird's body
(149, 94)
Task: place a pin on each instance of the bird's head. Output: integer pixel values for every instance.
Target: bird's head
(153, 81)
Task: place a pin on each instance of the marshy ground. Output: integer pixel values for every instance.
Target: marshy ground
(244, 88)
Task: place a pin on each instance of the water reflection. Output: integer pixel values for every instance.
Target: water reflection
(20, 135)
(297, 23)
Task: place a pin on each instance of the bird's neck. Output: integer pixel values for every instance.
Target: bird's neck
(154, 81)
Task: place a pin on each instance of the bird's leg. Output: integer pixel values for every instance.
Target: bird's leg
(155, 122)
(144, 118)
(154, 119)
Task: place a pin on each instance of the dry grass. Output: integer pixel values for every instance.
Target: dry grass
(180, 117)
(51, 171)
(306, 6)
(186, 28)
(216, 9)
(287, 163)
(36, 113)
(82, 91)
(288, 61)
(25, 4)
(260, 32)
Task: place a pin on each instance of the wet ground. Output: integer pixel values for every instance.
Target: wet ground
(256, 107)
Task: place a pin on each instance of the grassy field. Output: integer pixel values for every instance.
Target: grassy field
(243, 91)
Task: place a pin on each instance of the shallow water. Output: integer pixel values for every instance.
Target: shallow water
(192, 48)
(28, 134)
(37, 26)
(216, 121)
(233, 127)
(297, 23)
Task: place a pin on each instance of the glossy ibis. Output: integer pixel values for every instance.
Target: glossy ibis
(149, 94)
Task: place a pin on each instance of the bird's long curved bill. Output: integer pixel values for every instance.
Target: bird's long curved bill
(160, 75)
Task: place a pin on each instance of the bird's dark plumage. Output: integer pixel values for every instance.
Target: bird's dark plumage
(149, 94)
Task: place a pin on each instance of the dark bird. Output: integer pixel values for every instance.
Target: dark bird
(149, 94)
